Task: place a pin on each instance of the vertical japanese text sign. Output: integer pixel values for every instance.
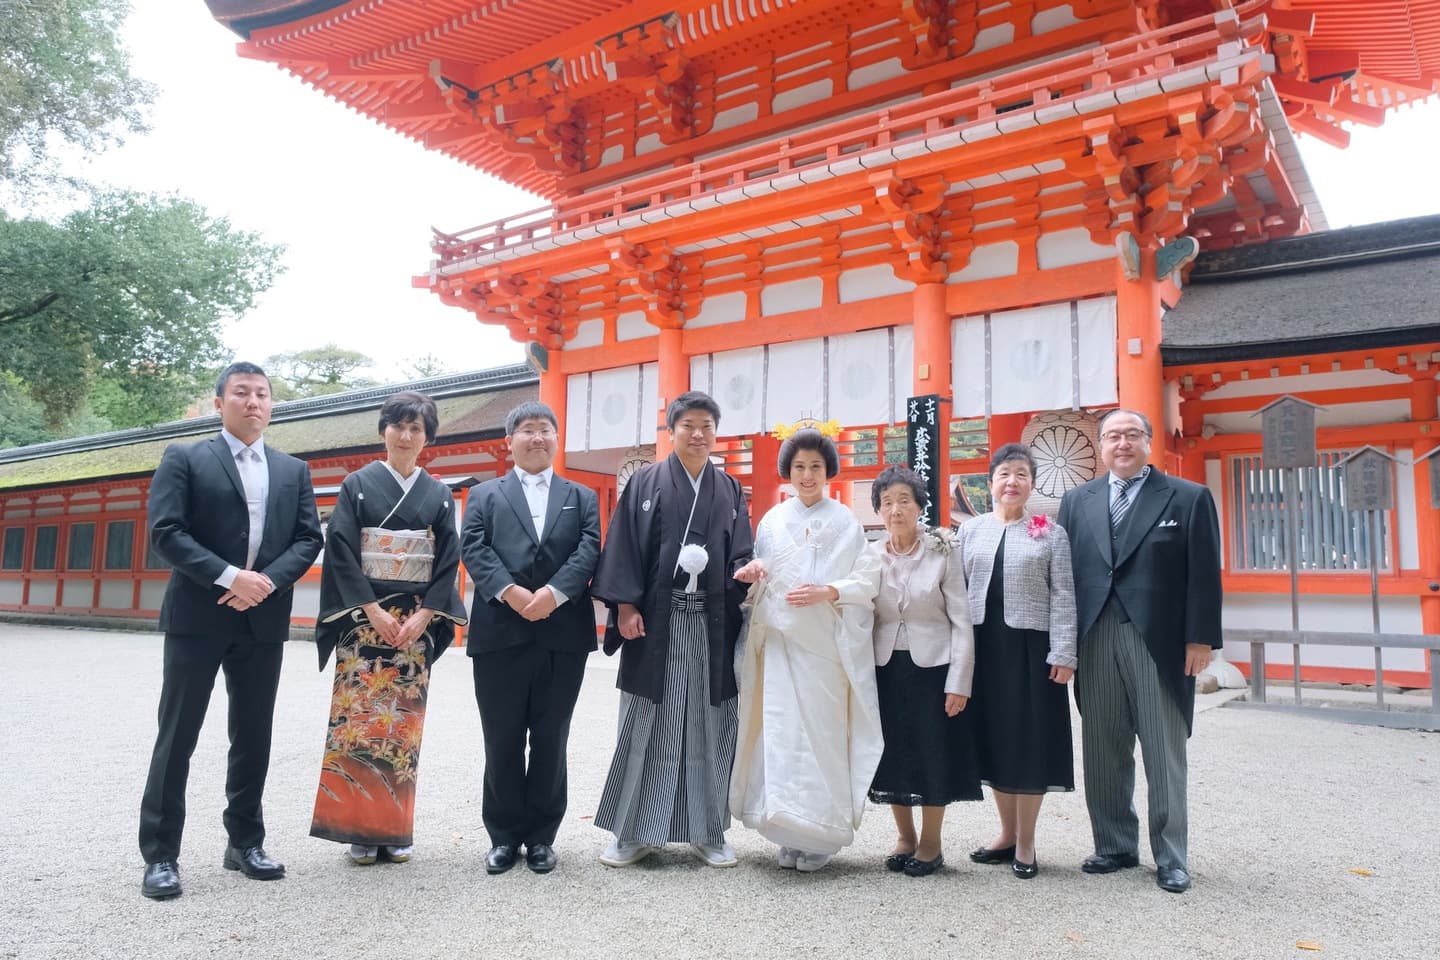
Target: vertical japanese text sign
(923, 450)
(1287, 432)
(1368, 484)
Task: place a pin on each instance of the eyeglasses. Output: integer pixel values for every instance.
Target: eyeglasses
(1115, 436)
(525, 433)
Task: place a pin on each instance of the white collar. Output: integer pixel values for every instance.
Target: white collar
(236, 444)
(548, 473)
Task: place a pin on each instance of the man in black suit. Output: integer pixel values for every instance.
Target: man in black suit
(530, 541)
(1146, 554)
(236, 521)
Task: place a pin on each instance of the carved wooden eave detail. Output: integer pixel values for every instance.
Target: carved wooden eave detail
(648, 60)
(669, 282)
(941, 28)
(932, 230)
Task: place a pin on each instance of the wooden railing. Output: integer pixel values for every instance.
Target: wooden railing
(1175, 57)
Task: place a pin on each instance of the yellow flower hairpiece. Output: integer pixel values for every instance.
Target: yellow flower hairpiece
(784, 431)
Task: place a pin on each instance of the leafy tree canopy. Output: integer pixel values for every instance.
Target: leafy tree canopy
(121, 304)
(317, 371)
(64, 80)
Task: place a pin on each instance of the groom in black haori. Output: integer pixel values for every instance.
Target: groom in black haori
(679, 533)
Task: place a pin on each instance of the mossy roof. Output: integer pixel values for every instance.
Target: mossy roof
(461, 416)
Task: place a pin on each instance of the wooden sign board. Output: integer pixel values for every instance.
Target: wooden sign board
(923, 449)
(1287, 433)
(1369, 484)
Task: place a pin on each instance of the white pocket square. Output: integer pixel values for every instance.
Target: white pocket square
(568, 508)
(1168, 523)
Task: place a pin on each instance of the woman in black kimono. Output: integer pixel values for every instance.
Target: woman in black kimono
(388, 608)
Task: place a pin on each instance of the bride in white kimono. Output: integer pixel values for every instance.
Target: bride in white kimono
(809, 738)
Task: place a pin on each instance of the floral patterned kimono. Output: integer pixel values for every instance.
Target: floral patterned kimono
(377, 711)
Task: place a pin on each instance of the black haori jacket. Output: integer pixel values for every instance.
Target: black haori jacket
(637, 566)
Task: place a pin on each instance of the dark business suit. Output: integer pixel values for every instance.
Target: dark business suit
(200, 525)
(1142, 593)
(528, 674)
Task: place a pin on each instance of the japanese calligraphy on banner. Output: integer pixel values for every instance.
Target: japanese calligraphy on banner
(922, 449)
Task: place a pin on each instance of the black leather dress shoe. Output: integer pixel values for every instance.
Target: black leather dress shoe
(540, 858)
(993, 854)
(1025, 871)
(253, 862)
(923, 868)
(1172, 879)
(1109, 862)
(501, 857)
(162, 880)
(895, 863)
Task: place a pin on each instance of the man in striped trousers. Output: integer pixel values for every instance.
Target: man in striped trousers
(1146, 554)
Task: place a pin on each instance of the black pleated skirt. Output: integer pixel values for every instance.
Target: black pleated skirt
(929, 758)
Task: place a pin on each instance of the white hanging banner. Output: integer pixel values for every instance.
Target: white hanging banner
(577, 411)
(794, 382)
(859, 380)
(1030, 359)
(737, 383)
(1058, 356)
(614, 408)
(1095, 335)
(968, 367)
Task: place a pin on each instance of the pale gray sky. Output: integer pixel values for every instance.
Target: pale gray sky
(354, 201)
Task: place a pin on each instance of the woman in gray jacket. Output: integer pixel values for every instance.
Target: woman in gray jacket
(1025, 654)
(924, 655)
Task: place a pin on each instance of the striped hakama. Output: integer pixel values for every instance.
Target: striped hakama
(669, 781)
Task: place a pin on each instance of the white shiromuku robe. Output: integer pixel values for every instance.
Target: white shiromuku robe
(809, 738)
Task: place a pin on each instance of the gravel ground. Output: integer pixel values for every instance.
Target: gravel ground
(1302, 832)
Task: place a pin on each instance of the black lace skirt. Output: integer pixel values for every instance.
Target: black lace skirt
(929, 758)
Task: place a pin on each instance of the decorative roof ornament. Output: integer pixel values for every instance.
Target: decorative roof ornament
(829, 428)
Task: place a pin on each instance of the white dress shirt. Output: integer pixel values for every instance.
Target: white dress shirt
(536, 487)
(255, 477)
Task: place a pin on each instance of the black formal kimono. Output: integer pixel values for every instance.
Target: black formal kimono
(670, 777)
(377, 711)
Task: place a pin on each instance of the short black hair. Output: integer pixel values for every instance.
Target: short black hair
(529, 410)
(1144, 420)
(893, 475)
(239, 366)
(691, 400)
(1011, 452)
(809, 438)
(408, 405)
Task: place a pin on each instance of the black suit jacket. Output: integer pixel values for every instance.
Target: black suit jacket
(200, 525)
(499, 547)
(1164, 568)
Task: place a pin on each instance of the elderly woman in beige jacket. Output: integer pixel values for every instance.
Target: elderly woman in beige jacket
(924, 656)
(1022, 602)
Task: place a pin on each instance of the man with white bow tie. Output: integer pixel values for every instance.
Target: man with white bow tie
(530, 542)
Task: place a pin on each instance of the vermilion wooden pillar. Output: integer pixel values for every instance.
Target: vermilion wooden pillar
(1192, 464)
(764, 480)
(1137, 348)
(552, 394)
(932, 363)
(1427, 518)
(674, 380)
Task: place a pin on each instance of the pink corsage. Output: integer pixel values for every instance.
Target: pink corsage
(1039, 526)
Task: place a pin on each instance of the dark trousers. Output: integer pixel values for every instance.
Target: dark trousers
(252, 675)
(525, 691)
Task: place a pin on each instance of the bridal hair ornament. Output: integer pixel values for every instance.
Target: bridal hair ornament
(693, 559)
(829, 428)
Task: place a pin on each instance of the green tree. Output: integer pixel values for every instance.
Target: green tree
(123, 302)
(424, 367)
(64, 80)
(317, 371)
